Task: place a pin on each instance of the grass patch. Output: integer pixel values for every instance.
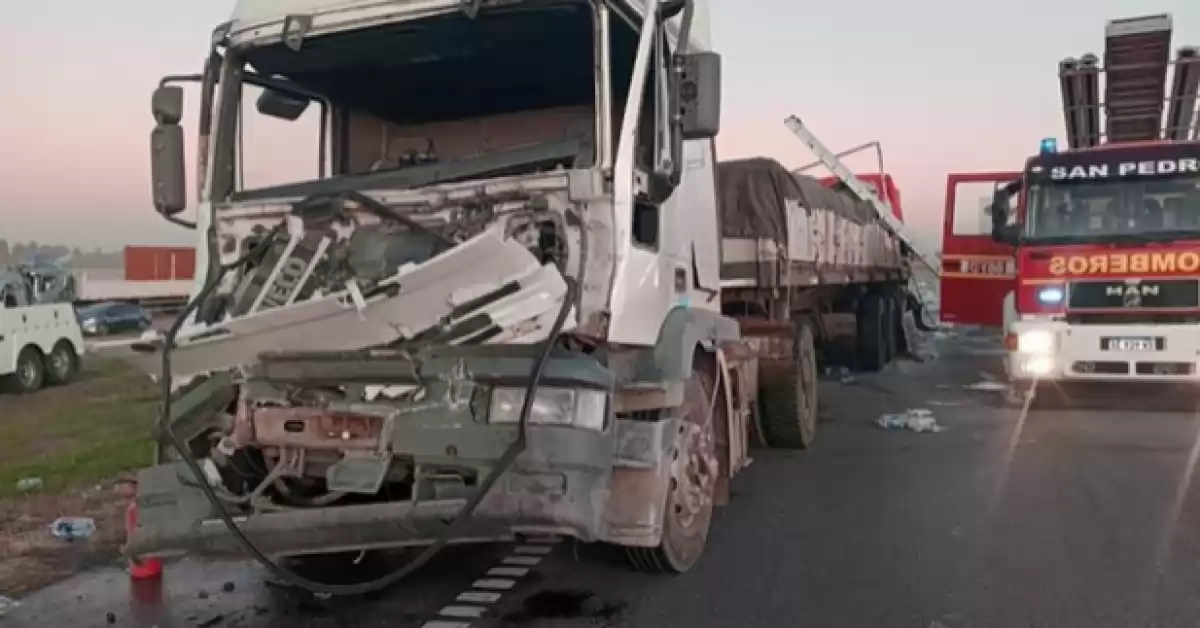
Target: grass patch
(70, 436)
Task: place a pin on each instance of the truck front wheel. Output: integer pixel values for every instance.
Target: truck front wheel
(30, 373)
(695, 468)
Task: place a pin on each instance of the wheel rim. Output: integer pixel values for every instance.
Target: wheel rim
(28, 373)
(60, 362)
(694, 473)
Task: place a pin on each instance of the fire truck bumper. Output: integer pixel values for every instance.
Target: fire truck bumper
(1057, 351)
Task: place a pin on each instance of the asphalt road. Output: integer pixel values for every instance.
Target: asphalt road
(1069, 516)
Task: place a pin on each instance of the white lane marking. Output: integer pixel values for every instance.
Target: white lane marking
(523, 561)
(474, 603)
(508, 572)
(478, 597)
(473, 612)
(496, 584)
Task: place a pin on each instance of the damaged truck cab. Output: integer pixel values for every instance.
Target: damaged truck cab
(494, 312)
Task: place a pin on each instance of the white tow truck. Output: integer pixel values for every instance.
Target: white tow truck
(40, 339)
(501, 308)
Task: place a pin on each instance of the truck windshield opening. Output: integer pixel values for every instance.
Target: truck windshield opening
(1097, 211)
(417, 102)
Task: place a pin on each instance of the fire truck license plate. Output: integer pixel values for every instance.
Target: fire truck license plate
(1140, 343)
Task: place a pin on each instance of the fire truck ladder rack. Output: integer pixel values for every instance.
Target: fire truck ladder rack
(1136, 62)
(831, 161)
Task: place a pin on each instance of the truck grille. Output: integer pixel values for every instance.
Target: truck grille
(1134, 294)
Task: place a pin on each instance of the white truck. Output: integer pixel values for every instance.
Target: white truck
(40, 340)
(498, 310)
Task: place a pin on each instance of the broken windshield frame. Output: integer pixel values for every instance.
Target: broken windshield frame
(227, 139)
(1162, 209)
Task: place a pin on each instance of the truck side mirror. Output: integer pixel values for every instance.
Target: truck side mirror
(166, 151)
(167, 104)
(277, 104)
(700, 95)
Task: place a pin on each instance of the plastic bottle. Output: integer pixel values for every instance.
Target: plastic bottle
(29, 485)
(72, 528)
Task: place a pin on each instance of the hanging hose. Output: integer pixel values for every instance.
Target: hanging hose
(506, 460)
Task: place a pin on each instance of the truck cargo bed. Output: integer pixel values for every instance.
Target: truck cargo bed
(783, 229)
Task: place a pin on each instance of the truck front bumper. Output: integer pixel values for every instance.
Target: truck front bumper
(591, 483)
(1046, 350)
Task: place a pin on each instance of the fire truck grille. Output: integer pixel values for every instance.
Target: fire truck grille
(1134, 294)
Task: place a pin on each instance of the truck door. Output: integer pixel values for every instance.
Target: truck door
(977, 273)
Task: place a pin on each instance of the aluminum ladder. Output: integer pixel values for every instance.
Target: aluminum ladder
(830, 160)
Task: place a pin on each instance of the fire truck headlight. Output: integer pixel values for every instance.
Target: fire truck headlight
(1052, 295)
(1038, 366)
(1037, 341)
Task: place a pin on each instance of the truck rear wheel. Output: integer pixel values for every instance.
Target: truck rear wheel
(891, 342)
(871, 337)
(687, 514)
(788, 394)
(62, 364)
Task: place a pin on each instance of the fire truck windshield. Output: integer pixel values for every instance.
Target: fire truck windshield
(1096, 211)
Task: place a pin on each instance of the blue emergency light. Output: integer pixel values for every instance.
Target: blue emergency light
(1049, 145)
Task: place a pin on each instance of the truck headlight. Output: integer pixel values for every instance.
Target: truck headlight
(1038, 365)
(551, 406)
(1050, 295)
(1035, 341)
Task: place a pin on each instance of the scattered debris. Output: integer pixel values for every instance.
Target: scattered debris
(986, 385)
(7, 604)
(111, 618)
(915, 419)
(921, 345)
(204, 621)
(29, 485)
(841, 374)
(73, 528)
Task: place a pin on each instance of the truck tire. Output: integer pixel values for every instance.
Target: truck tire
(62, 365)
(901, 303)
(870, 341)
(891, 343)
(30, 373)
(788, 395)
(687, 514)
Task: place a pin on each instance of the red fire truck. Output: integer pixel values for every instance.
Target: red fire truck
(1090, 257)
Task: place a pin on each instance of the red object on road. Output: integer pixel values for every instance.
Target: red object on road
(159, 263)
(148, 567)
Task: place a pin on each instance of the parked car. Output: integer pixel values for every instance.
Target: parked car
(102, 319)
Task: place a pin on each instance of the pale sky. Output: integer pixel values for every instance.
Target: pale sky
(945, 85)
